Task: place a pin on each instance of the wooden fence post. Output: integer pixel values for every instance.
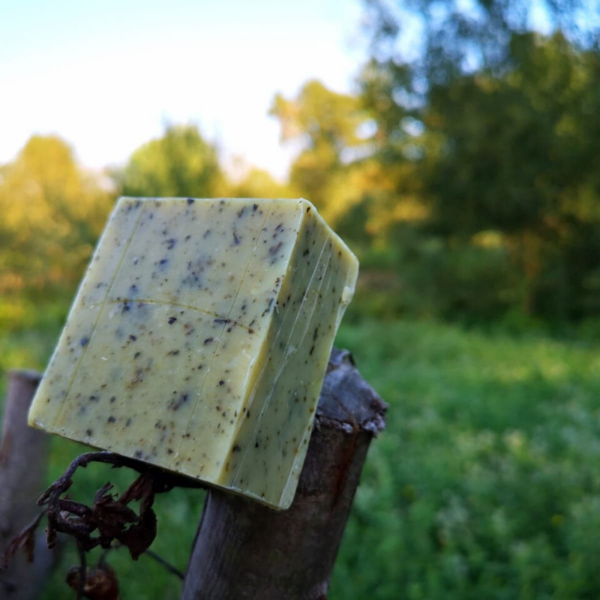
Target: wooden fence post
(23, 462)
(246, 551)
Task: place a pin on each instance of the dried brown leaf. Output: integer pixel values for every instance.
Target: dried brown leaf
(100, 583)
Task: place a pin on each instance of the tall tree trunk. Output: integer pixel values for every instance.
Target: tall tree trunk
(246, 551)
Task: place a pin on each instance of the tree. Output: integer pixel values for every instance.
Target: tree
(180, 163)
(519, 158)
(257, 183)
(325, 126)
(52, 213)
(496, 122)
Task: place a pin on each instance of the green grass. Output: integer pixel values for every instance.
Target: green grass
(486, 483)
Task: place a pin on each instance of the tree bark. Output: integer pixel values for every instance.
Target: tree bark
(244, 550)
(23, 462)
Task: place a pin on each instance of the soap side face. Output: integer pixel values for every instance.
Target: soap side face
(149, 347)
(270, 446)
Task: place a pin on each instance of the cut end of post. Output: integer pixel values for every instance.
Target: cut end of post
(25, 375)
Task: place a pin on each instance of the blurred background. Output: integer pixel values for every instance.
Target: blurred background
(455, 146)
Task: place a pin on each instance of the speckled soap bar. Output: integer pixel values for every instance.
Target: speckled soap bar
(199, 340)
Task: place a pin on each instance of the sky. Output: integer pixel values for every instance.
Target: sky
(107, 76)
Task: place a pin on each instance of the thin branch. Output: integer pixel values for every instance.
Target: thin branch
(159, 559)
(168, 566)
(64, 482)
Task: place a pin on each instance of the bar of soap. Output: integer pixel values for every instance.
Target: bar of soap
(199, 340)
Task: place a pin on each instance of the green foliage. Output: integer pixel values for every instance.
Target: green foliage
(52, 213)
(180, 163)
(518, 159)
(323, 124)
(496, 125)
(486, 477)
(258, 183)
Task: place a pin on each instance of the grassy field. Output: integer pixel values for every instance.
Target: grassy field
(486, 483)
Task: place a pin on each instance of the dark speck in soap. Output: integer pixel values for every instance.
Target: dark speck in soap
(172, 320)
(84, 341)
(273, 250)
(190, 201)
(176, 403)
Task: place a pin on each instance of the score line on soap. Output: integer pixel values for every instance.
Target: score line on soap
(199, 339)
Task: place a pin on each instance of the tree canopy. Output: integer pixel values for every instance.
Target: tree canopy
(52, 212)
(180, 163)
(496, 121)
(325, 127)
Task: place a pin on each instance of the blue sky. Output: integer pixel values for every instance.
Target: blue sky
(107, 75)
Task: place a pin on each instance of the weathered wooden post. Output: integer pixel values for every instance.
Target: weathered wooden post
(23, 461)
(244, 550)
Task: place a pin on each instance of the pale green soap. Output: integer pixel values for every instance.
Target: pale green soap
(199, 340)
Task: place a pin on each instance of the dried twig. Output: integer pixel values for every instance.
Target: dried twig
(110, 517)
(108, 520)
(24, 539)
